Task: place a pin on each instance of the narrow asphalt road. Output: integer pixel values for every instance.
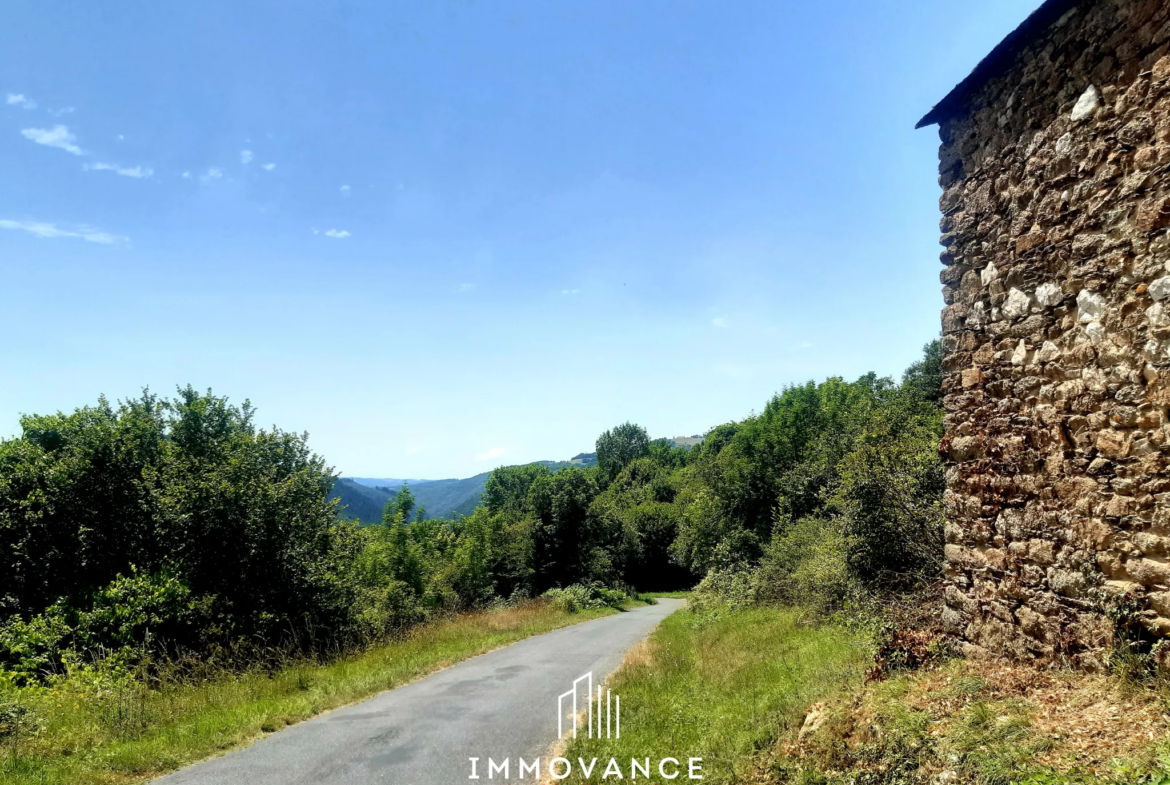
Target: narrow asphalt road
(500, 705)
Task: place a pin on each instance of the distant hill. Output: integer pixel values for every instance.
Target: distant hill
(687, 441)
(442, 498)
(386, 482)
(360, 502)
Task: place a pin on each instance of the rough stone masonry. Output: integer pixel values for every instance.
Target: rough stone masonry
(1055, 170)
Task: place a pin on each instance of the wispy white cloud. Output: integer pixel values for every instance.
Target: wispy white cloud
(19, 99)
(138, 172)
(41, 229)
(64, 110)
(338, 234)
(466, 287)
(186, 175)
(57, 136)
(345, 190)
(806, 345)
(494, 452)
(214, 173)
(268, 167)
(719, 321)
(245, 156)
(570, 291)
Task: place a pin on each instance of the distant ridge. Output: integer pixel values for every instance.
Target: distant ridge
(360, 502)
(364, 497)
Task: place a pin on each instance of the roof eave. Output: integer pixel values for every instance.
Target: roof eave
(999, 59)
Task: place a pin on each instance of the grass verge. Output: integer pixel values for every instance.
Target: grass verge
(93, 730)
(987, 723)
(724, 688)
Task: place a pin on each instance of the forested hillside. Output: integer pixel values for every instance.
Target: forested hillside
(164, 526)
(358, 502)
(362, 498)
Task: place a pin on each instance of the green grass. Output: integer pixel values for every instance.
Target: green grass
(676, 595)
(723, 689)
(91, 729)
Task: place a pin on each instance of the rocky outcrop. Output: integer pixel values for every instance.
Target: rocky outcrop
(1056, 332)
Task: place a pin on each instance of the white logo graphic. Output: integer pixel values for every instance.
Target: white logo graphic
(602, 706)
(604, 719)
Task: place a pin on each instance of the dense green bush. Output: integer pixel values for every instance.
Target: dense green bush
(807, 564)
(585, 597)
(855, 465)
(234, 519)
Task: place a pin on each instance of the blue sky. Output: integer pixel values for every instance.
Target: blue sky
(441, 236)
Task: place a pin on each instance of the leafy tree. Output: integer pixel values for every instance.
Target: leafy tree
(616, 448)
(239, 515)
(925, 377)
(889, 494)
(567, 541)
(663, 453)
(399, 507)
(507, 487)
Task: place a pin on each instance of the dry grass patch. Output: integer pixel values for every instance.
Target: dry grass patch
(982, 722)
(641, 656)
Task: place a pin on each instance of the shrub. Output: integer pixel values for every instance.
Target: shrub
(585, 597)
(86, 496)
(34, 647)
(807, 564)
(131, 610)
(889, 494)
(732, 588)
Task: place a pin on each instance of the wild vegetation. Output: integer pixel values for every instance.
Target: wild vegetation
(127, 722)
(157, 532)
(722, 688)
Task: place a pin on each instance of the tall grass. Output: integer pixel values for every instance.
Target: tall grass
(722, 688)
(120, 725)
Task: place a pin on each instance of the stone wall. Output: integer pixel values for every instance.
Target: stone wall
(1056, 330)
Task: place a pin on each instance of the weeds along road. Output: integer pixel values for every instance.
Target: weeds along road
(500, 705)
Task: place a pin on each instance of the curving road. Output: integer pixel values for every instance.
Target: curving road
(500, 704)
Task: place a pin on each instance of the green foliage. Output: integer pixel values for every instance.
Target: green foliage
(663, 453)
(924, 378)
(731, 588)
(889, 493)
(240, 515)
(131, 609)
(616, 448)
(856, 461)
(399, 507)
(709, 539)
(807, 563)
(33, 647)
(585, 597)
(506, 490)
(177, 526)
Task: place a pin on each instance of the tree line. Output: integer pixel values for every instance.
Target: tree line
(176, 525)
